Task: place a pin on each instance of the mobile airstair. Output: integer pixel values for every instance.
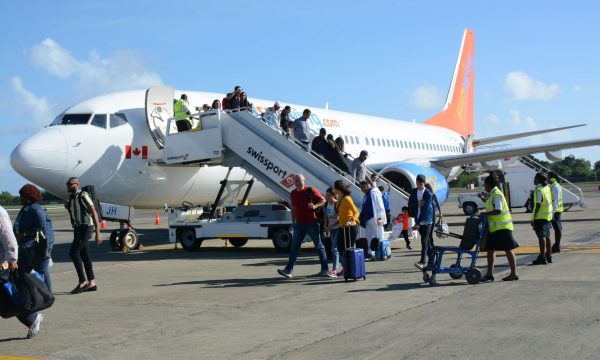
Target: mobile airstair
(242, 139)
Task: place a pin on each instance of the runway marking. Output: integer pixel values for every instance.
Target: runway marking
(2, 357)
(566, 249)
(106, 267)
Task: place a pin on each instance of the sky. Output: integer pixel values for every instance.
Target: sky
(536, 62)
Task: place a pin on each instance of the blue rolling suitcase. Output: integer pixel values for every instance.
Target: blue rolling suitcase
(355, 260)
(384, 251)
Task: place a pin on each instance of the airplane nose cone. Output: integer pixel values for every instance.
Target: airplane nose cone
(42, 158)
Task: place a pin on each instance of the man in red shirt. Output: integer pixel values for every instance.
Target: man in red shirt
(305, 200)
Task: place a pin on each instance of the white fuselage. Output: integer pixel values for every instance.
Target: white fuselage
(97, 155)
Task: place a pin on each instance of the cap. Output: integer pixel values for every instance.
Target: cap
(364, 153)
(421, 178)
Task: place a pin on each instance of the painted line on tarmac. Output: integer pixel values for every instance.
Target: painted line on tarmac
(106, 267)
(5, 357)
(567, 249)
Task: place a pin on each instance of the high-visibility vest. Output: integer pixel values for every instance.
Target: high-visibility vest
(545, 211)
(555, 185)
(179, 110)
(502, 220)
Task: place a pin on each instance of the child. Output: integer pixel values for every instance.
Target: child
(331, 224)
(402, 227)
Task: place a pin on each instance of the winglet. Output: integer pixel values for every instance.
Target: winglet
(458, 111)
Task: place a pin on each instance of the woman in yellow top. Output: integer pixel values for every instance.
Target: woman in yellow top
(347, 218)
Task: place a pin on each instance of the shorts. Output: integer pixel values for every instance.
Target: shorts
(542, 228)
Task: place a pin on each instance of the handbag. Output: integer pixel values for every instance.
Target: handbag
(10, 302)
(41, 251)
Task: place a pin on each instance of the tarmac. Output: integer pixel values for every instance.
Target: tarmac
(229, 303)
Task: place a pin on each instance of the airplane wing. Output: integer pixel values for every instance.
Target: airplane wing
(478, 156)
(495, 139)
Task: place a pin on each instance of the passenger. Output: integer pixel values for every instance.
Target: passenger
(181, 108)
(31, 223)
(421, 208)
(9, 259)
(271, 116)
(245, 104)
(84, 219)
(334, 155)
(358, 169)
(216, 105)
(301, 128)
(206, 107)
(317, 143)
(331, 222)
(557, 206)
(500, 230)
(305, 201)
(372, 215)
(234, 99)
(385, 195)
(284, 120)
(347, 219)
(541, 217)
(436, 205)
(401, 227)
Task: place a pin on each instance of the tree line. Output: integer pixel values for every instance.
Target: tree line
(571, 168)
(7, 199)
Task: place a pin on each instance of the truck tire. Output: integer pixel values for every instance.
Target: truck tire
(115, 240)
(238, 242)
(130, 239)
(188, 240)
(469, 208)
(282, 239)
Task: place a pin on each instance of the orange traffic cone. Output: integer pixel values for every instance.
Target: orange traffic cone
(156, 218)
(103, 225)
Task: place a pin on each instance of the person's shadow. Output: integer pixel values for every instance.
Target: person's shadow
(12, 339)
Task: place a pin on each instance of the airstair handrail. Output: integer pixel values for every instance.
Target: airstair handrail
(538, 167)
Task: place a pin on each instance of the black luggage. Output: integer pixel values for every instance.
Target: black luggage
(33, 292)
(470, 233)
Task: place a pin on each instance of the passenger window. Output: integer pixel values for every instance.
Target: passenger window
(372, 141)
(99, 120)
(346, 138)
(356, 139)
(378, 142)
(117, 120)
(367, 140)
(75, 119)
(351, 140)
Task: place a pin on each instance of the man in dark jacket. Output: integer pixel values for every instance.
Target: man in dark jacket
(421, 208)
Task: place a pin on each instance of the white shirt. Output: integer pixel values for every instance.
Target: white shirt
(555, 190)
(8, 242)
(378, 207)
(419, 198)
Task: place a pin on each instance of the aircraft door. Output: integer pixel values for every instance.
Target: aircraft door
(159, 109)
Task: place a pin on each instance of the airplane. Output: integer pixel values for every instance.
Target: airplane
(109, 142)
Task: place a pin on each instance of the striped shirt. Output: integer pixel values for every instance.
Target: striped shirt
(8, 243)
(79, 213)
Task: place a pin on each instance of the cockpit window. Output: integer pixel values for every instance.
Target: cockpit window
(99, 120)
(117, 120)
(72, 119)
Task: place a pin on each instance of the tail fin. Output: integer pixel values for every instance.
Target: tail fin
(458, 111)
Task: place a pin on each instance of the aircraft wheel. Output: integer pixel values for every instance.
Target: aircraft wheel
(130, 239)
(282, 239)
(238, 242)
(187, 238)
(115, 240)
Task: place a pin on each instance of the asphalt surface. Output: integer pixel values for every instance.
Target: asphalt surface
(228, 303)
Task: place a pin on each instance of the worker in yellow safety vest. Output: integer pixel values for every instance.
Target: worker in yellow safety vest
(500, 230)
(181, 108)
(557, 205)
(541, 217)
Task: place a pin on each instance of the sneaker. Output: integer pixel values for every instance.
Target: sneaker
(420, 265)
(541, 260)
(284, 273)
(408, 247)
(332, 273)
(35, 327)
(549, 259)
(323, 273)
(555, 248)
(340, 272)
(487, 277)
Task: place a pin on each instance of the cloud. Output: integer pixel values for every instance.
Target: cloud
(523, 87)
(492, 118)
(124, 70)
(527, 123)
(36, 108)
(427, 97)
(577, 88)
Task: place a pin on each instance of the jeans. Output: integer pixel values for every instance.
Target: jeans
(557, 225)
(80, 253)
(27, 320)
(333, 234)
(24, 263)
(426, 248)
(300, 231)
(346, 238)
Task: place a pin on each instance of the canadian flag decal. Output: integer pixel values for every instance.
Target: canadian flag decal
(136, 152)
